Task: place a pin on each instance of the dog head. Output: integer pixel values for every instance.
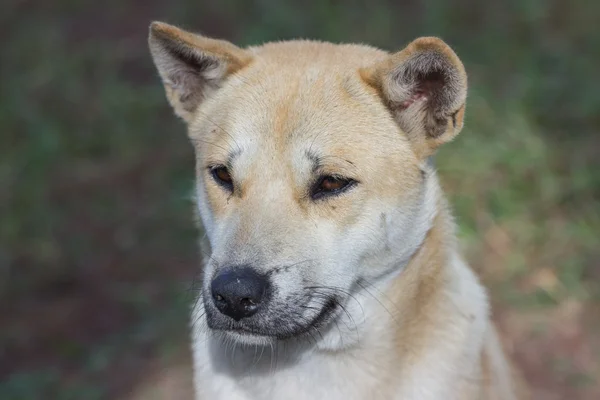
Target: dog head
(312, 172)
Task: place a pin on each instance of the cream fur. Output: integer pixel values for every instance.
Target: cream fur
(412, 321)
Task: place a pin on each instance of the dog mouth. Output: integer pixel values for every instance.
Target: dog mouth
(282, 325)
(326, 314)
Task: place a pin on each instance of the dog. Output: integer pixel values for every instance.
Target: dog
(331, 268)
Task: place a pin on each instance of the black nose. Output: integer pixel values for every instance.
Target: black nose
(238, 292)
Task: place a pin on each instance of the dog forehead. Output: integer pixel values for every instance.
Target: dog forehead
(299, 96)
(289, 105)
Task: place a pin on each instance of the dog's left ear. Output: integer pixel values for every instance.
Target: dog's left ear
(425, 88)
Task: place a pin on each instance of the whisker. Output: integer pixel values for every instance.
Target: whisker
(286, 267)
(338, 303)
(376, 299)
(210, 143)
(340, 290)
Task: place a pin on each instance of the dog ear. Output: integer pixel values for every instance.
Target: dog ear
(192, 66)
(425, 88)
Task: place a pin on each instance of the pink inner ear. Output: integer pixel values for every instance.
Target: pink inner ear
(418, 95)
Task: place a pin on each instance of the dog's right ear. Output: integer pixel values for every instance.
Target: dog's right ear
(192, 66)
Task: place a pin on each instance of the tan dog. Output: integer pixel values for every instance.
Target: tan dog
(333, 270)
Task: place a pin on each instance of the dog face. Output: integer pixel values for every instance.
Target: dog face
(312, 176)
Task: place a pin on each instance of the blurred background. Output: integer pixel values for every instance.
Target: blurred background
(97, 240)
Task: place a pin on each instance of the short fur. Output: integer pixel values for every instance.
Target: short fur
(371, 297)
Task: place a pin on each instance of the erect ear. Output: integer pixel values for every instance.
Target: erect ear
(425, 87)
(192, 66)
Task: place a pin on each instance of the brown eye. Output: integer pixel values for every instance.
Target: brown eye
(331, 186)
(222, 176)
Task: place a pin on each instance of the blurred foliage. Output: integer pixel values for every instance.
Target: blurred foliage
(97, 241)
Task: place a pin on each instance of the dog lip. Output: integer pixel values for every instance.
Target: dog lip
(320, 319)
(241, 329)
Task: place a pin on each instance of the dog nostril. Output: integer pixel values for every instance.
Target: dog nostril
(246, 302)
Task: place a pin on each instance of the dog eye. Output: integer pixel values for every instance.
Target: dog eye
(331, 186)
(222, 176)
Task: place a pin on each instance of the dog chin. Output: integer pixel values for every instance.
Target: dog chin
(246, 338)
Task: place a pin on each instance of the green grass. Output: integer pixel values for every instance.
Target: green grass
(97, 243)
